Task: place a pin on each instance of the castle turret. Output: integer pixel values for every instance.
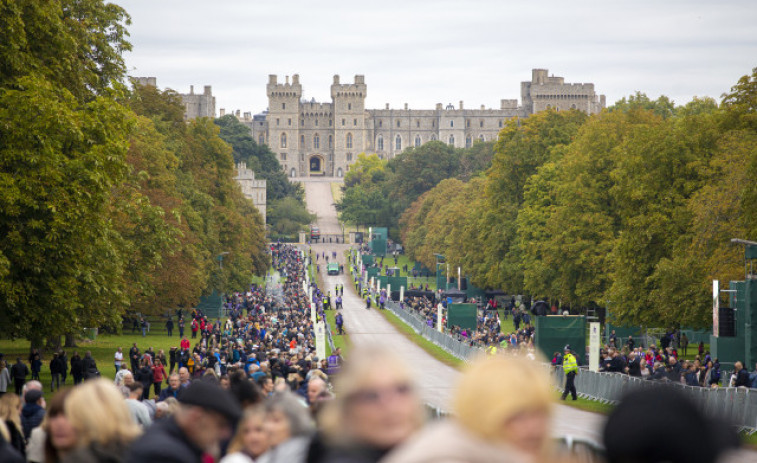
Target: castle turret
(349, 120)
(283, 118)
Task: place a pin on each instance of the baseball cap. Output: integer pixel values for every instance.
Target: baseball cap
(210, 396)
(32, 396)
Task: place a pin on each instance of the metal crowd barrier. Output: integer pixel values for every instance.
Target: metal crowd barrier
(736, 405)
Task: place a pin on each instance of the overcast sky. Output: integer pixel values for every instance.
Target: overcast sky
(441, 51)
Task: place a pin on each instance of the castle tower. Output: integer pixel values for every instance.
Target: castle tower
(283, 119)
(348, 101)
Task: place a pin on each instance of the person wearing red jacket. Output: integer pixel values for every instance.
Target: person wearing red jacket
(158, 375)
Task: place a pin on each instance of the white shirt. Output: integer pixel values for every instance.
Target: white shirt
(119, 357)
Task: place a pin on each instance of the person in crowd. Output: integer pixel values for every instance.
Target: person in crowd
(158, 376)
(501, 412)
(5, 378)
(742, 375)
(289, 428)
(376, 408)
(174, 386)
(169, 326)
(89, 366)
(33, 411)
(118, 359)
(8, 454)
(19, 372)
(10, 414)
(134, 356)
(55, 437)
(36, 365)
(101, 421)
(251, 438)
(144, 375)
(184, 376)
(630, 436)
(204, 418)
(56, 371)
(316, 386)
(139, 411)
(76, 368)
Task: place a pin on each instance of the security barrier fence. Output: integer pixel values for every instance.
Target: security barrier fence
(736, 405)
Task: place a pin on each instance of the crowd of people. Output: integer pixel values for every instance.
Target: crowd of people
(251, 389)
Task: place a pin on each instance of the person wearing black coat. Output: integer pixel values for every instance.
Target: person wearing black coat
(56, 370)
(89, 367)
(742, 376)
(8, 454)
(144, 376)
(19, 372)
(76, 368)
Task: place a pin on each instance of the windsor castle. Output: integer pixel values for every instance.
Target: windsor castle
(324, 139)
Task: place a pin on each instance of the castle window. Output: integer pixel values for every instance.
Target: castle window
(452, 140)
(283, 156)
(354, 122)
(451, 123)
(283, 106)
(380, 143)
(349, 106)
(302, 141)
(331, 142)
(342, 122)
(381, 123)
(289, 121)
(417, 122)
(417, 140)
(316, 141)
(283, 140)
(348, 142)
(398, 143)
(398, 123)
(481, 123)
(467, 124)
(482, 137)
(572, 106)
(277, 121)
(261, 139)
(349, 157)
(433, 123)
(302, 157)
(316, 122)
(330, 121)
(331, 157)
(433, 137)
(500, 124)
(468, 141)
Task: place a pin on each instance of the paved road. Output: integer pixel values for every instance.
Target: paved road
(436, 380)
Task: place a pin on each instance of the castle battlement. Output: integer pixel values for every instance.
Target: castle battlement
(324, 139)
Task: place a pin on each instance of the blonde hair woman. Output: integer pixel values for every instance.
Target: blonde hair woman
(10, 415)
(501, 410)
(102, 421)
(251, 439)
(376, 408)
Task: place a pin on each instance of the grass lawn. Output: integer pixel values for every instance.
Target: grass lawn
(340, 341)
(336, 191)
(434, 350)
(102, 350)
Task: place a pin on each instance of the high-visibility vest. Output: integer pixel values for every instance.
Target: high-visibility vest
(569, 363)
(491, 350)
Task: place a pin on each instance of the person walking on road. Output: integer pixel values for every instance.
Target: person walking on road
(339, 323)
(570, 367)
(19, 372)
(368, 302)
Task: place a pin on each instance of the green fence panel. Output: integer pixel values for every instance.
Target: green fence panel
(553, 332)
(462, 315)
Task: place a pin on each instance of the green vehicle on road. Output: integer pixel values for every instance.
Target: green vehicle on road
(332, 268)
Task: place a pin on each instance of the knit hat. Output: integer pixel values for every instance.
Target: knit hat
(210, 396)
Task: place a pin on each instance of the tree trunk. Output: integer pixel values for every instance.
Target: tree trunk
(70, 340)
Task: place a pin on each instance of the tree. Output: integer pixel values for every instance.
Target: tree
(59, 160)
